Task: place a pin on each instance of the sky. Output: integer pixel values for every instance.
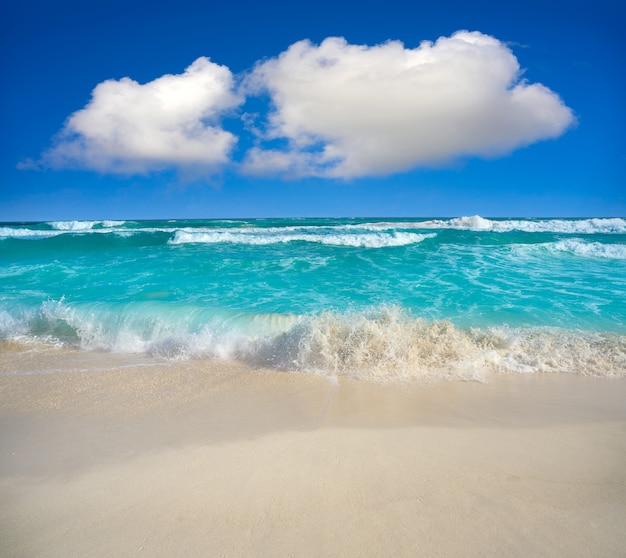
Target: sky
(143, 109)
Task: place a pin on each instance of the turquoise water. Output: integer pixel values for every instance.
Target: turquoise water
(363, 297)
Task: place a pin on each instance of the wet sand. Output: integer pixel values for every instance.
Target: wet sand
(120, 456)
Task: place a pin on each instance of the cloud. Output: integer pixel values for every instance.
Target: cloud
(128, 127)
(336, 110)
(350, 110)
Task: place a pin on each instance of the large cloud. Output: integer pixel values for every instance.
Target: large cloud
(128, 127)
(348, 110)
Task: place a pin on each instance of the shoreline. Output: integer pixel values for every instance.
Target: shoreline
(196, 459)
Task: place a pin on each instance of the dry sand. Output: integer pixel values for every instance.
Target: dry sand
(190, 459)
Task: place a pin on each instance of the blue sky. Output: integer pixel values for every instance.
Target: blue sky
(326, 127)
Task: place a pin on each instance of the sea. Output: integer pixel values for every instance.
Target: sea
(374, 299)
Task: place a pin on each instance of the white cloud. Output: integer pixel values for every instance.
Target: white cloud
(338, 110)
(128, 127)
(349, 110)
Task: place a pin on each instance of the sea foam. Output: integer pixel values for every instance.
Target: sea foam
(75, 226)
(614, 225)
(23, 233)
(382, 344)
(575, 247)
(262, 237)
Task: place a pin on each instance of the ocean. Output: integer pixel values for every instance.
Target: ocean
(374, 299)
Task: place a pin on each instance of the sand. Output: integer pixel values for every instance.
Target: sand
(110, 456)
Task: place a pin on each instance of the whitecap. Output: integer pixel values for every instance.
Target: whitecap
(573, 246)
(614, 225)
(9, 232)
(73, 225)
(260, 237)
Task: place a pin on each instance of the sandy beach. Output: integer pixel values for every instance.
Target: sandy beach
(110, 456)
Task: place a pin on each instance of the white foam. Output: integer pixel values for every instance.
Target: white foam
(389, 345)
(9, 232)
(591, 249)
(84, 226)
(261, 237)
(382, 344)
(366, 235)
(575, 247)
(73, 225)
(475, 223)
(614, 225)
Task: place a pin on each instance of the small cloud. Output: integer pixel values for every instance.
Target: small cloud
(516, 44)
(129, 127)
(290, 163)
(28, 164)
(385, 109)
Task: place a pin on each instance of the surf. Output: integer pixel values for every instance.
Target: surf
(371, 298)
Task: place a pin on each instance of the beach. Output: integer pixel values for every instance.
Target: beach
(313, 387)
(121, 455)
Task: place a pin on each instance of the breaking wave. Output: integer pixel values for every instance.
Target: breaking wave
(614, 225)
(373, 234)
(576, 247)
(83, 225)
(56, 228)
(263, 237)
(10, 232)
(386, 343)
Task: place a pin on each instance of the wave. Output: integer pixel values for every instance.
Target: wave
(376, 234)
(72, 225)
(386, 343)
(575, 247)
(81, 228)
(83, 225)
(614, 225)
(22, 233)
(263, 237)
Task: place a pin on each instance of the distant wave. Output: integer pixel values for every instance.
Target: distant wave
(72, 225)
(66, 227)
(478, 223)
(376, 234)
(83, 225)
(9, 232)
(261, 237)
